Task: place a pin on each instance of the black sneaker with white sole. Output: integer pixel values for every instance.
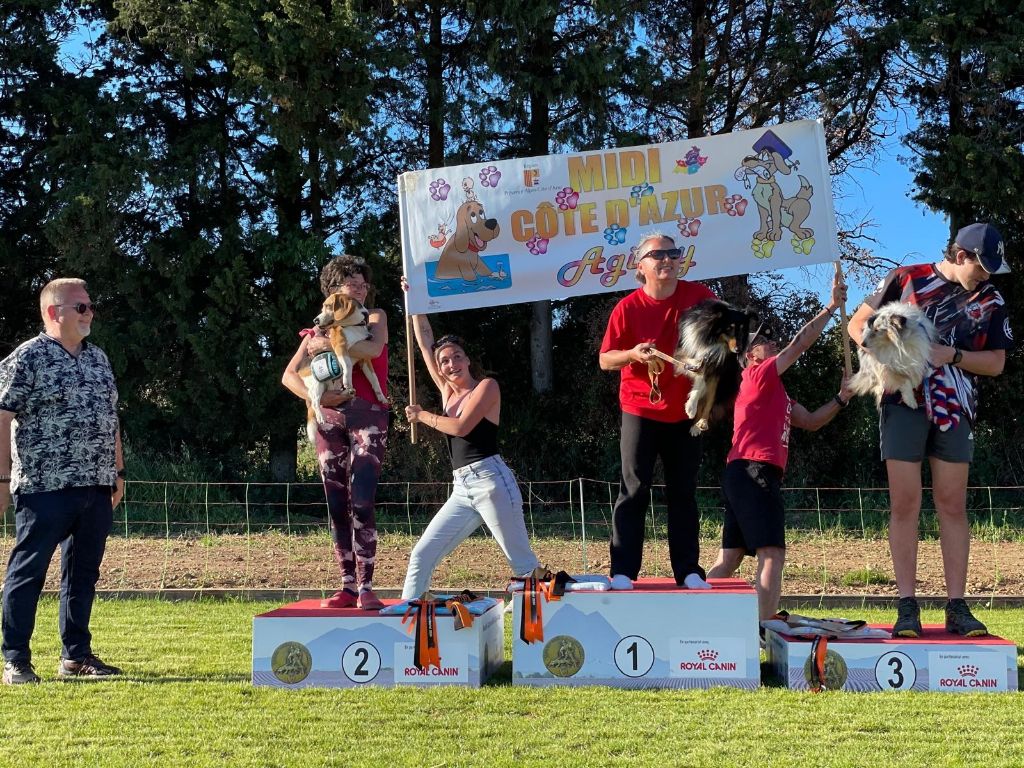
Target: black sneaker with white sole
(908, 618)
(19, 673)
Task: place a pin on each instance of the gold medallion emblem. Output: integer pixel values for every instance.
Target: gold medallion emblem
(291, 662)
(563, 656)
(836, 671)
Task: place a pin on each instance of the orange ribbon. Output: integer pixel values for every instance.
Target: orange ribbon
(422, 618)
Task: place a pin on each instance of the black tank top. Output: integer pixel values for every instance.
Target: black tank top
(481, 442)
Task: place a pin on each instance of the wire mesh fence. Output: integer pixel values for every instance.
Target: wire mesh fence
(171, 535)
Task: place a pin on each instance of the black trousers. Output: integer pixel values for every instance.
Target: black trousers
(641, 442)
(78, 520)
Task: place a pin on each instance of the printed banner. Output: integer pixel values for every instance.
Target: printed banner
(567, 225)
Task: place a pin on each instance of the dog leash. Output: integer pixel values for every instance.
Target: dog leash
(422, 618)
(819, 650)
(541, 584)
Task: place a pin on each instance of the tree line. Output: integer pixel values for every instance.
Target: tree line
(198, 162)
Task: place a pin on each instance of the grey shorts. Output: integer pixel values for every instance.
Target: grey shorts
(908, 435)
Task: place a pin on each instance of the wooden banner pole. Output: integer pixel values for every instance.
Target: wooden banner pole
(847, 359)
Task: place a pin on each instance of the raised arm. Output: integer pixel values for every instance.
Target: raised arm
(483, 400)
(811, 332)
(425, 341)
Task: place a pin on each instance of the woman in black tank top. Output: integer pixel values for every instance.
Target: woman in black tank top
(484, 491)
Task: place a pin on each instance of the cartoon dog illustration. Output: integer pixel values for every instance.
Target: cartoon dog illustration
(473, 230)
(776, 212)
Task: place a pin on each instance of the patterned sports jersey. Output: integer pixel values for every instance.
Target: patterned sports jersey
(65, 423)
(970, 320)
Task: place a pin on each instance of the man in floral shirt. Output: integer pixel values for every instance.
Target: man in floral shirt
(61, 462)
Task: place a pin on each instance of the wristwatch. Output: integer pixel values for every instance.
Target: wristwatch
(957, 357)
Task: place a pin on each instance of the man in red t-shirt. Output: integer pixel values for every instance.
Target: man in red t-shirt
(754, 518)
(649, 318)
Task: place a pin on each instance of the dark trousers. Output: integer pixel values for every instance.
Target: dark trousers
(641, 443)
(78, 520)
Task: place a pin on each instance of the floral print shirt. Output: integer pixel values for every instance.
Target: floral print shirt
(65, 423)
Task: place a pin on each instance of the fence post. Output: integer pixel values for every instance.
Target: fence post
(408, 511)
(583, 528)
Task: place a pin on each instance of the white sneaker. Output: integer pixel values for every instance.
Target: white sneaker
(621, 582)
(694, 581)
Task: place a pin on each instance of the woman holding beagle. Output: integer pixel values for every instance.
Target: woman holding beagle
(484, 490)
(350, 443)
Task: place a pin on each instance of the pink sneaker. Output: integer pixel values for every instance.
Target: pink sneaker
(346, 598)
(369, 601)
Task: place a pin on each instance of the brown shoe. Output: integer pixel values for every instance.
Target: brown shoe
(369, 601)
(91, 667)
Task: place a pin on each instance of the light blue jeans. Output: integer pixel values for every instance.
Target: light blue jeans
(483, 492)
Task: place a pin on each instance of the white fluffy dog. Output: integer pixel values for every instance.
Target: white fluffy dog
(894, 353)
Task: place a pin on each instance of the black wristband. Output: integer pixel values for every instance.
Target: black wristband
(957, 357)
(122, 473)
(840, 402)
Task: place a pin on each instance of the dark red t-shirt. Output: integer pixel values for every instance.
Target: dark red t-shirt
(639, 318)
(761, 416)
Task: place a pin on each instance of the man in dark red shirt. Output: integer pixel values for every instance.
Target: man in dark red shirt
(649, 318)
(974, 334)
(752, 484)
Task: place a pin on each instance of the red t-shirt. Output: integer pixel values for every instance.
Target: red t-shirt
(359, 380)
(761, 416)
(639, 318)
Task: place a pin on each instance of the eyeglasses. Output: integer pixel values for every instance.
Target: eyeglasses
(352, 286)
(445, 341)
(663, 253)
(80, 307)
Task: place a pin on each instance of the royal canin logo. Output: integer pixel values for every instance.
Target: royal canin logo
(707, 661)
(967, 670)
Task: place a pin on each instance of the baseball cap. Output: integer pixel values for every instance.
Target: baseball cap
(985, 242)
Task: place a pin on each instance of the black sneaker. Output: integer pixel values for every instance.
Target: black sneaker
(960, 620)
(91, 667)
(908, 618)
(19, 673)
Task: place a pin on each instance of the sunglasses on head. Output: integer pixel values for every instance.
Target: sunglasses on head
(663, 253)
(444, 341)
(80, 307)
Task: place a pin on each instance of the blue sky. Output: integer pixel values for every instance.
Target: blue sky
(904, 230)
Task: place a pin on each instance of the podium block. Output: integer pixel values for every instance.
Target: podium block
(303, 645)
(937, 661)
(654, 636)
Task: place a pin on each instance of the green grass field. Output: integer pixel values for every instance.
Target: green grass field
(187, 701)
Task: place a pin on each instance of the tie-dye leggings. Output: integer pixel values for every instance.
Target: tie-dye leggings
(350, 447)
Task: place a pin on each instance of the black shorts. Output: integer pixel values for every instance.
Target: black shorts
(754, 515)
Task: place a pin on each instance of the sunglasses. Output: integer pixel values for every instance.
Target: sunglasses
(663, 253)
(80, 307)
(444, 341)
